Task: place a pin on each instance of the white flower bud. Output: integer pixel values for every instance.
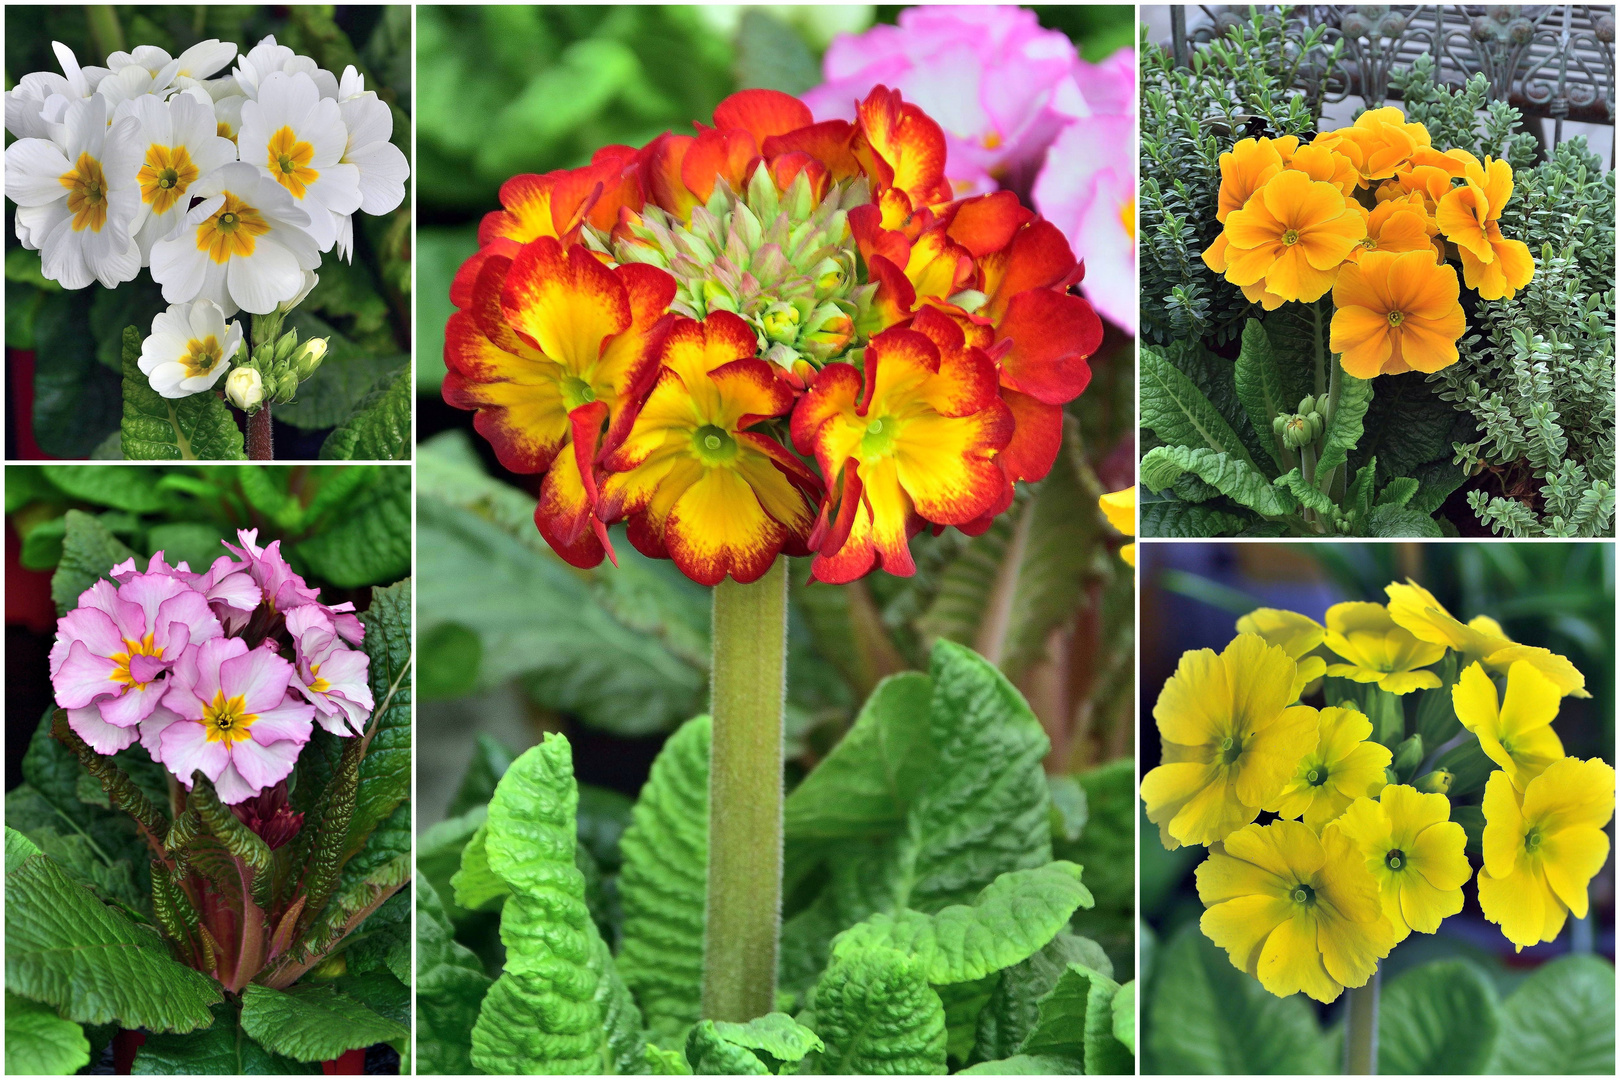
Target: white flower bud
(245, 388)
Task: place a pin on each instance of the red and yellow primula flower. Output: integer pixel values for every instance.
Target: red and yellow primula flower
(768, 266)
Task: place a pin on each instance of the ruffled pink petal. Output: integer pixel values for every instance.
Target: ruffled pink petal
(133, 705)
(83, 677)
(188, 612)
(348, 670)
(232, 788)
(153, 726)
(348, 625)
(89, 625)
(103, 738)
(211, 657)
(184, 748)
(150, 592)
(262, 765)
(288, 721)
(259, 676)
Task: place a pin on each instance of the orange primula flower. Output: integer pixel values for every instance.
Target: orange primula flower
(1493, 265)
(1396, 225)
(1245, 169)
(1327, 165)
(1292, 235)
(1395, 313)
(1378, 143)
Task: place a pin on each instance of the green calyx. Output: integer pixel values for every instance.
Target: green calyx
(714, 445)
(576, 392)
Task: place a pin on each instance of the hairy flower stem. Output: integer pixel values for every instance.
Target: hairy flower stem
(259, 445)
(748, 691)
(1361, 1029)
(1335, 387)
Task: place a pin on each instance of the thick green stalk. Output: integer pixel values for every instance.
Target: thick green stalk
(1361, 1029)
(748, 691)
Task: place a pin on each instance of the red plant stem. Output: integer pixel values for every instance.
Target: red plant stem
(259, 445)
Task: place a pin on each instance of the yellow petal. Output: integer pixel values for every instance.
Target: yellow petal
(1531, 700)
(1503, 839)
(1570, 859)
(1474, 699)
(1518, 904)
(1291, 961)
(1423, 906)
(1195, 705)
(1404, 682)
(1242, 924)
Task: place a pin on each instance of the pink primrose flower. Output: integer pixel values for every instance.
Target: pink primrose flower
(332, 678)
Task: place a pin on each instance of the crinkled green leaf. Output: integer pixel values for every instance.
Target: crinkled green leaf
(1076, 1019)
(626, 1041)
(222, 1050)
(133, 488)
(379, 428)
(1011, 1014)
(1309, 495)
(450, 986)
(1398, 492)
(310, 1022)
(477, 887)
(1400, 522)
(385, 772)
(41, 1043)
(1125, 1016)
(1344, 427)
(876, 1014)
(1438, 1018)
(758, 1048)
(370, 542)
(1025, 1065)
(1559, 1020)
(542, 1015)
(656, 1061)
(1233, 477)
(964, 1003)
(199, 427)
(1175, 410)
(664, 881)
(1171, 518)
(67, 949)
(111, 879)
(1007, 922)
(1268, 389)
(89, 551)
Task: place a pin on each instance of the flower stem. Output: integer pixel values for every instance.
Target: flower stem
(1321, 364)
(748, 692)
(259, 445)
(1361, 1029)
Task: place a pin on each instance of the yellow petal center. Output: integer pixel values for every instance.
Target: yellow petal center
(143, 647)
(87, 194)
(201, 356)
(227, 721)
(231, 230)
(288, 161)
(165, 176)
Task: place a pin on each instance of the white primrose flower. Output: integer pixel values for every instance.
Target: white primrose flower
(190, 347)
(244, 246)
(266, 58)
(382, 165)
(76, 196)
(198, 62)
(178, 147)
(297, 138)
(30, 108)
(228, 115)
(132, 82)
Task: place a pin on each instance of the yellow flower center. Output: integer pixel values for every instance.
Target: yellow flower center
(1370, 243)
(1395, 859)
(1302, 894)
(1231, 749)
(1395, 318)
(143, 647)
(165, 176)
(878, 442)
(201, 356)
(227, 721)
(1127, 218)
(320, 685)
(1532, 840)
(231, 230)
(288, 161)
(714, 445)
(87, 194)
(992, 140)
(223, 130)
(1291, 237)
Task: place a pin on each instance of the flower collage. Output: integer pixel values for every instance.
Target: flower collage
(974, 539)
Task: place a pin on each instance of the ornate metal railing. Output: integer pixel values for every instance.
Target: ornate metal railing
(1551, 60)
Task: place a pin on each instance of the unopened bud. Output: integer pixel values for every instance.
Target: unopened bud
(781, 323)
(1307, 404)
(1279, 422)
(286, 386)
(244, 387)
(1297, 432)
(1409, 755)
(285, 346)
(1434, 783)
(308, 358)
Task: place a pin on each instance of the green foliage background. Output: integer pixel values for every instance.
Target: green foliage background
(363, 307)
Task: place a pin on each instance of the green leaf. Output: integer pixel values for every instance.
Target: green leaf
(656, 1061)
(1308, 494)
(1267, 389)
(1171, 518)
(1233, 477)
(1344, 427)
(450, 986)
(772, 55)
(67, 949)
(439, 253)
(876, 1013)
(477, 886)
(1014, 1009)
(385, 771)
(964, 1004)
(133, 489)
(41, 1043)
(1107, 846)
(542, 1014)
(490, 760)
(379, 428)
(626, 1041)
(370, 542)
(191, 542)
(1124, 1007)
(1206, 1016)
(312, 1022)
(760, 1047)
(89, 551)
(1400, 522)
(1358, 496)
(199, 427)
(222, 1050)
(1077, 1020)
(1559, 1020)
(76, 399)
(664, 882)
(439, 851)
(1438, 1018)
(1025, 1065)
(1008, 922)
(1175, 410)
(1398, 492)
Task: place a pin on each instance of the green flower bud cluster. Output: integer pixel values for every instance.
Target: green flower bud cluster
(276, 368)
(1300, 428)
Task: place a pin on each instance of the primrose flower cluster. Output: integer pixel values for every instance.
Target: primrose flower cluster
(224, 671)
(774, 336)
(1363, 851)
(229, 187)
(1373, 214)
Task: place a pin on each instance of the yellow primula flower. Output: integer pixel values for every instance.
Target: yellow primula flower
(1296, 911)
(1416, 610)
(1518, 736)
(1543, 847)
(1414, 852)
(1119, 507)
(1378, 651)
(1344, 767)
(1230, 740)
(1297, 634)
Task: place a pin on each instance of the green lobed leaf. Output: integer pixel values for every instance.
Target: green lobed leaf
(1175, 410)
(1233, 477)
(1171, 518)
(450, 986)
(222, 1050)
(621, 1020)
(1438, 1018)
(490, 760)
(67, 949)
(41, 1043)
(542, 1014)
(1559, 1020)
(1267, 389)
(876, 1014)
(379, 428)
(199, 427)
(1400, 522)
(1124, 1010)
(477, 887)
(664, 882)
(1309, 495)
(1398, 492)
(370, 542)
(758, 1048)
(89, 551)
(1025, 1065)
(1007, 922)
(1077, 1020)
(1344, 427)
(656, 1061)
(1014, 1009)
(1107, 845)
(385, 771)
(1206, 1016)
(310, 1022)
(439, 851)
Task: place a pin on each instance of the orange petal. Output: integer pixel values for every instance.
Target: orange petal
(905, 149)
(762, 113)
(988, 223)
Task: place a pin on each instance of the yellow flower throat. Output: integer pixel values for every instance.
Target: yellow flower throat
(288, 161)
(143, 647)
(227, 721)
(165, 176)
(231, 230)
(87, 194)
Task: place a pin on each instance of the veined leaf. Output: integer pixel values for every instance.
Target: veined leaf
(876, 1014)
(1398, 492)
(1400, 521)
(1171, 518)
(759, 1047)
(385, 772)
(1013, 1010)
(41, 1043)
(1559, 1020)
(89, 551)
(1268, 390)
(67, 949)
(1233, 477)
(379, 428)
(1308, 494)
(370, 543)
(477, 886)
(1175, 410)
(1125, 1016)
(312, 1022)
(664, 882)
(222, 1050)
(1358, 495)
(626, 1041)
(1344, 427)
(1025, 1065)
(1438, 1018)
(1077, 1020)
(133, 488)
(199, 427)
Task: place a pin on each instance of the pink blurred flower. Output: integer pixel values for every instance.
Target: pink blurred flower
(1087, 188)
(990, 76)
(228, 713)
(113, 651)
(331, 677)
